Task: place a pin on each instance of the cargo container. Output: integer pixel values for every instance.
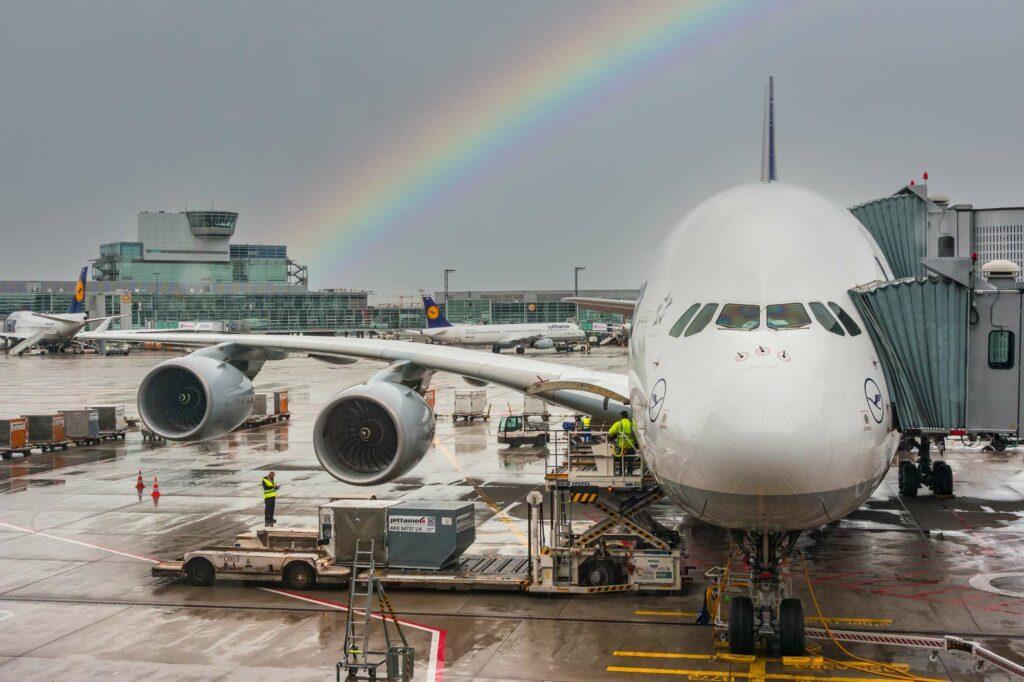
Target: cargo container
(259, 406)
(82, 426)
(46, 431)
(470, 405)
(111, 418)
(280, 402)
(429, 534)
(13, 435)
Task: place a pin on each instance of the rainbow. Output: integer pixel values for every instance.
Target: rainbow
(616, 48)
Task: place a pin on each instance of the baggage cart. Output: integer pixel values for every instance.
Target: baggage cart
(82, 426)
(112, 421)
(14, 437)
(46, 432)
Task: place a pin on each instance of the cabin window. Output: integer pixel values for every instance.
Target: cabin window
(702, 319)
(851, 326)
(683, 320)
(786, 316)
(825, 319)
(1000, 349)
(739, 316)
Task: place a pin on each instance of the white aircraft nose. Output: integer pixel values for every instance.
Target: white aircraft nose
(765, 434)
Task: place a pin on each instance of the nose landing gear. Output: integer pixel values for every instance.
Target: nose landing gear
(760, 607)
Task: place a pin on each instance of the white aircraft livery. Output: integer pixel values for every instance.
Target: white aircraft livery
(496, 336)
(26, 328)
(756, 393)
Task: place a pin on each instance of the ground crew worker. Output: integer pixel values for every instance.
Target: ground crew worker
(269, 499)
(624, 443)
(586, 428)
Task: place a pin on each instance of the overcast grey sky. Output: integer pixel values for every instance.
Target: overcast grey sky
(277, 110)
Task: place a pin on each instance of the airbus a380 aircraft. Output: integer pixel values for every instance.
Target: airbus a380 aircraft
(759, 402)
(496, 336)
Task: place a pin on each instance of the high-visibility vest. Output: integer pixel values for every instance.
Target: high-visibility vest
(586, 423)
(269, 489)
(623, 430)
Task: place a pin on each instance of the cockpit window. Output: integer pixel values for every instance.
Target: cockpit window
(787, 316)
(683, 320)
(739, 316)
(824, 317)
(847, 321)
(702, 319)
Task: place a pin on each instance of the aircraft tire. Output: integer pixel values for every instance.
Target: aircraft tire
(741, 626)
(909, 479)
(943, 475)
(998, 443)
(791, 627)
(495, 349)
(520, 350)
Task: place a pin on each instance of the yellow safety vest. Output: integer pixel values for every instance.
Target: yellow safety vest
(623, 429)
(269, 488)
(586, 423)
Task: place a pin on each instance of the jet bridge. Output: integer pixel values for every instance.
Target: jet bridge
(946, 326)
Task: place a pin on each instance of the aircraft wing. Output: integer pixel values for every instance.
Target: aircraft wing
(604, 305)
(601, 394)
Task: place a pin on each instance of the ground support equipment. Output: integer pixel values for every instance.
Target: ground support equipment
(359, 662)
(7, 453)
(51, 445)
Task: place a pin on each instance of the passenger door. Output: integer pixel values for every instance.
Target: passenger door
(993, 363)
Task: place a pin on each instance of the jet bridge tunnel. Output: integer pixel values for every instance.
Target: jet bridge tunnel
(947, 328)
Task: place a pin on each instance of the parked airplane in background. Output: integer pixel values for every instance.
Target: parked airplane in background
(496, 336)
(52, 331)
(759, 403)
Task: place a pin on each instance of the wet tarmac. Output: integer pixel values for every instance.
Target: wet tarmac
(77, 543)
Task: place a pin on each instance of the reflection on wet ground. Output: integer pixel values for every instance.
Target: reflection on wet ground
(75, 535)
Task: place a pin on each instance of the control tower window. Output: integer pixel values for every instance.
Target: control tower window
(825, 319)
(739, 316)
(847, 321)
(683, 320)
(787, 316)
(1000, 349)
(702, 319)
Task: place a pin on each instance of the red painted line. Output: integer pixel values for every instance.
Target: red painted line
(79, 542)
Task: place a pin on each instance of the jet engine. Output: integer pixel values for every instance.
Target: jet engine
(543, 344)
(194, 398)
(373, 433)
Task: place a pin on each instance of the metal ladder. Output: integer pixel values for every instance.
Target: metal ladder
(360, 595)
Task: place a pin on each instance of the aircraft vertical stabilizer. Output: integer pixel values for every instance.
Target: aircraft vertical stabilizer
(435, 318)
(768, 173)
(78, 298)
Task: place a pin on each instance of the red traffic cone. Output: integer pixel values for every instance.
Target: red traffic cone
(156, 488)
(139, 485)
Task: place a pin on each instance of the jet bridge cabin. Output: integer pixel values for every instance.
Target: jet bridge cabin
(947, 323)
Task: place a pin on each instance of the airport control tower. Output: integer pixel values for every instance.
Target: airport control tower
(194, 247)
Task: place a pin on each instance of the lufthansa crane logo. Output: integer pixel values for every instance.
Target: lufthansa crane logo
(433, 313)
(657, 400)
(79, 290)
(873, 395)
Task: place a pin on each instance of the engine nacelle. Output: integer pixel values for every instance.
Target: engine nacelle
(194, 398)
(373, 433)
(543, 344)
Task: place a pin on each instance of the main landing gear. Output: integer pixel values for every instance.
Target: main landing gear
(935, 475)
(760, 605)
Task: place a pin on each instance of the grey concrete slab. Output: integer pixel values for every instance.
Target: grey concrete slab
(17, 573)
(25, 627)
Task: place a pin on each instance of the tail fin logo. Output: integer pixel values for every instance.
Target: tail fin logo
(433, 312)
(79, 291)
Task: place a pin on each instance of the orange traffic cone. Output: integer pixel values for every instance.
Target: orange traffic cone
(156, 488)
(139, 485)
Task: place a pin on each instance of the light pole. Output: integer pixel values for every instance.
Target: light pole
(576, 279)
(156, 310)
(447, 272)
